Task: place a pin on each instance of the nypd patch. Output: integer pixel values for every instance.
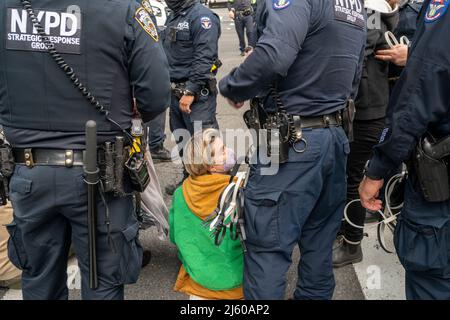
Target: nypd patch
(147, 6)
(436, 10)
(281, 4)
(206, 23)
(145, 20)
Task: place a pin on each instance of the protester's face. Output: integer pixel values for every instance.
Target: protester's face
(220, 155)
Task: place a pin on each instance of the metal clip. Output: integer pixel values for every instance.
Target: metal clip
(29, 161)
(69, 158)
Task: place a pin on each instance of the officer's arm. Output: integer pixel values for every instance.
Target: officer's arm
(275, 52)
(420, 98)
(148, 66)
(206, 32)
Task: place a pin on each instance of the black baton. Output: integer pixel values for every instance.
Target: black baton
(91, 174)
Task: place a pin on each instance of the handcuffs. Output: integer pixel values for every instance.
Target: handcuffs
(229, 213)
(392, 41)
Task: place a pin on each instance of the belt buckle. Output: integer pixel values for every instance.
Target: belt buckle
(68, 158)
(29, 160)
(326, 120)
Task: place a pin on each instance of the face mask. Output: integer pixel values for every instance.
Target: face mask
(230, 162)
(178, 5)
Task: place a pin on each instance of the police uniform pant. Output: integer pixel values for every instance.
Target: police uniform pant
(366, 136)
(156, 131)
(202, 116)
(50, 213)
(245, 25)
(302, 204)
(422, 241)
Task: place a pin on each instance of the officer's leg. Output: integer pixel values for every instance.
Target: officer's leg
(422, 241)
(40, 236)
(276, 207)
(316, 279)
(156, 131)
(203, 113)
(239, 25)
(119, 254)
(251, 31)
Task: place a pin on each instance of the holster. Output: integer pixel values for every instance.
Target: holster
(432, 173)
(348, 117)
(276, 126)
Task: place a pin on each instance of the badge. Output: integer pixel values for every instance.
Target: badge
(145, 20)
(281, 4)
(147, 6)
(206, 23)
(436, 9)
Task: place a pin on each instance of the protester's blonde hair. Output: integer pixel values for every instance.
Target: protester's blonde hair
(199, 153)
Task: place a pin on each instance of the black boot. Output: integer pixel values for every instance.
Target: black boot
(160, 154)
(345, 253)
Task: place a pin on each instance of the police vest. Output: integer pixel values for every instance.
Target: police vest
(35, 93)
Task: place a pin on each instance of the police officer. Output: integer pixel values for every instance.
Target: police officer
(191, 44)
(311, 51)
(114, 48)
(420, 103)
(242, 12)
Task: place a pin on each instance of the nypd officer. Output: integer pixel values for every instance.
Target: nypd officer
(114, 48)
(242, 12)
(311, 51)
(419, 104)
(191, 44)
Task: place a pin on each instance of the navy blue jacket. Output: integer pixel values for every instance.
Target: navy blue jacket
(421, 98)
(113, 48)
(310, 49)
(191, 41)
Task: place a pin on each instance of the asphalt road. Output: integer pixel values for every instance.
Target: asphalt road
(157, 279)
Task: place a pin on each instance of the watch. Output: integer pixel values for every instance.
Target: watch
(366, 172)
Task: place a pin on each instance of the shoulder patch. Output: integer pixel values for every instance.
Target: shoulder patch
(436, 10)
(206, 23)
(281, 4)
(145, 20)
(147, 6)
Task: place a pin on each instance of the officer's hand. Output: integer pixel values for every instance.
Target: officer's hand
(236, 105)
(185, 103)
(368, 193)
(231, 14)
(397, 55)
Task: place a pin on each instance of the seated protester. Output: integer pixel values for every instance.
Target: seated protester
(208, 271)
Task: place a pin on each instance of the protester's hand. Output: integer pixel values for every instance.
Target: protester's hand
(397, 55)
(231, 14)
(185, 103)
(368, 193)
(236, 105)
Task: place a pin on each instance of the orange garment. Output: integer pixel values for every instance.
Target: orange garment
(202, 196)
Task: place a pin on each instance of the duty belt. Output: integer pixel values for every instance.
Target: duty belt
(48, 157)
(325, 121)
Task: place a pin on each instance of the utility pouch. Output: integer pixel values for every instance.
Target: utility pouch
(137, 165)
(432, 173)
(348, 117)
(277, 129)
(246, 12)
(212, 85)
(6, 170)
